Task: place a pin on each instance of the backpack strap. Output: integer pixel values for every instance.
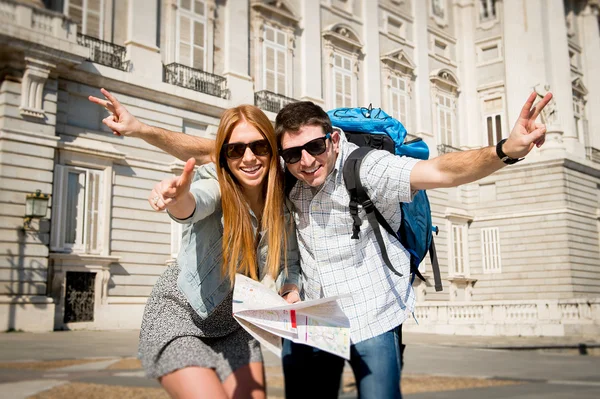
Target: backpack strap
(289, 181)
(435, 266)
(358, 195)
(414, 268)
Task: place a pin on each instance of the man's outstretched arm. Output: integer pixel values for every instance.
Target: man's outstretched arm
(180, 145)
(456, 168)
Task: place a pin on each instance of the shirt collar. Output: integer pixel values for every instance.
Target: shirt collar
(342, 154)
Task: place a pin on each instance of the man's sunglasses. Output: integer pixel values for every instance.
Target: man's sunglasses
(314, 147)
(237, 150)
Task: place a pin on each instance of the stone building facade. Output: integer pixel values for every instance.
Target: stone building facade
(519, 250)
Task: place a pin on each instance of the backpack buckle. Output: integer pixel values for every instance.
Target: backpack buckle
(353, 205)
(368, 206)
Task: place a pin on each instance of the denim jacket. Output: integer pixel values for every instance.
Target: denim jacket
(200, 256)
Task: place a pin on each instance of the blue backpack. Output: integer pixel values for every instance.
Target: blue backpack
(374, 129)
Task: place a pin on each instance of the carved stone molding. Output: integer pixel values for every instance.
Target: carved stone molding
(445, 79)
(278, 8)
(32, 87)
(399, 60)
(343, 36)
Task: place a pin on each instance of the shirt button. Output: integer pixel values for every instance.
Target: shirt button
(314, 208)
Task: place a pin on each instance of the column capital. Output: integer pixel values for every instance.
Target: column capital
(32, 87)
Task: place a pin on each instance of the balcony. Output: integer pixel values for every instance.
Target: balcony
(25, 26)
(195, 79)
(104, 53)
(272, 102)
(445, 148)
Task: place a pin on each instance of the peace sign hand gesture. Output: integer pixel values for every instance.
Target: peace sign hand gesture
(121, 122)
(527, 133)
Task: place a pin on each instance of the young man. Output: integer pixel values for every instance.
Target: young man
(333, 263)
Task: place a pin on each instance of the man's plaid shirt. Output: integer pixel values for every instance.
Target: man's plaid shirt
(333, 263)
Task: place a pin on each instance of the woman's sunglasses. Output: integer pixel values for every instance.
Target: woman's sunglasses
(237, 150)
(314, 147)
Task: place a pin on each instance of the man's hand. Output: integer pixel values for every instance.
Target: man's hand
(121, 122)
(527, 133)
(168, 192)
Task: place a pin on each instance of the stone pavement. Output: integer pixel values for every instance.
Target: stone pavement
(100, 363)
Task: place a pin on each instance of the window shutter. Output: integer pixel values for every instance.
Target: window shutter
(93, 206)
(58, 208)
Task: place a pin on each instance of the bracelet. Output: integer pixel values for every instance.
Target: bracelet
(289, 292)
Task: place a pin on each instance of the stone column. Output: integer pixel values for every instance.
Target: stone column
(311, 74)
(237, 52)
(142, 25)
(559, 72)
(527, 57)
(372, 64)
(469, 127)
(590, 37)
(423, 121)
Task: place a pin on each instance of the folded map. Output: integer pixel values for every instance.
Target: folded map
(268, 318)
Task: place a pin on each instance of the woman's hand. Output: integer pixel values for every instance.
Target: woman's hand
(174, 193)
(290, 293)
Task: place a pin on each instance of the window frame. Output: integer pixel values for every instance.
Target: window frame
(276, 48)
(345, 73)
(439, 20)
(452, 112)
(579, 118)
(84, 226)
(84, 12)
(491, 259)
(487, 44)
(493, 114)
(401, 94)
(399, 31)
(464, 247)
(193, 17)
(492, 4)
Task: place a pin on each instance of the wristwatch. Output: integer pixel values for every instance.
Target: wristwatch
(505, 158)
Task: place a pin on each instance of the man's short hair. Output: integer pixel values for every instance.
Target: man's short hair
(303, 113)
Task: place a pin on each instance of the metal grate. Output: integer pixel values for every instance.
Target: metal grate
(195, 79)
(104, 53)
(79, 297)
(269, 101)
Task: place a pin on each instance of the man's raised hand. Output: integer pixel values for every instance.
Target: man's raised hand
(527, 133)
(121, 122)
(166, 194)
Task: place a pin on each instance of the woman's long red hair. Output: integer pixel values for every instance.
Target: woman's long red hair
(239, 241)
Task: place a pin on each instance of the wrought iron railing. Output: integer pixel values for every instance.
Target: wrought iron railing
(79, 297)
(269, 101)
(105, 53)
(195, 79)
(445, 148)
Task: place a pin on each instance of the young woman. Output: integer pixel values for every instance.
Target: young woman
(189, 339)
